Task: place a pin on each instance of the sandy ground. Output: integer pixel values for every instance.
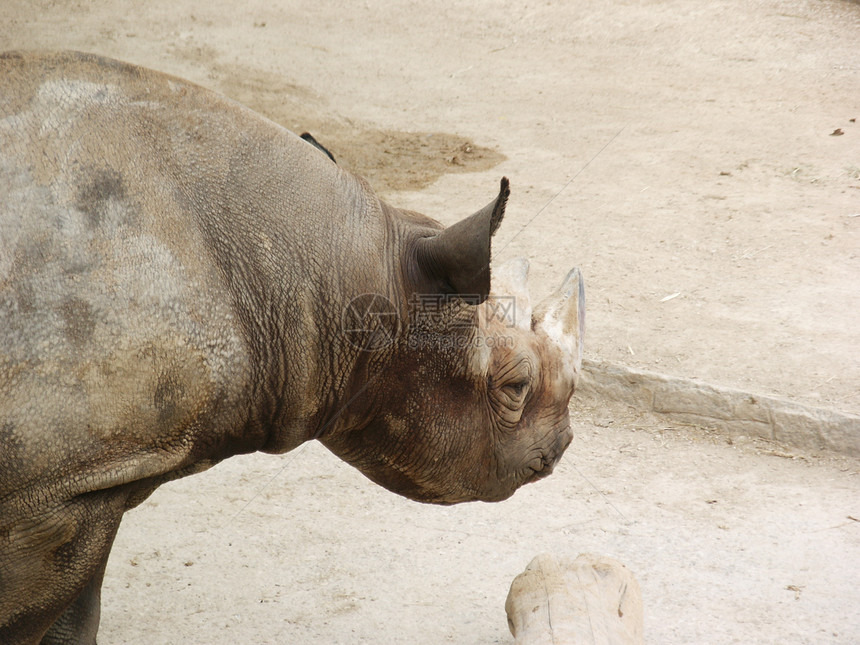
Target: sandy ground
(730, 543)
(687, 156)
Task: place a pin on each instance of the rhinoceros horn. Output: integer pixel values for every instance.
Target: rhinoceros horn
(562, 316)
(510, 280)
(457, 260)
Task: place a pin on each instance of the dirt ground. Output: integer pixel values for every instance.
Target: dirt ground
(699, 161)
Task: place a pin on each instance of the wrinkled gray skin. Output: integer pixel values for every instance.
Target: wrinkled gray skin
(174, 272)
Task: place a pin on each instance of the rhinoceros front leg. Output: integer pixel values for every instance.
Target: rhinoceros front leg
(79, 623)
(51, 569)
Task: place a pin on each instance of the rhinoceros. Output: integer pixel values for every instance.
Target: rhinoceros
(182, 280)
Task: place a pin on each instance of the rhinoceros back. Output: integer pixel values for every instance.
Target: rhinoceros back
(121, 331)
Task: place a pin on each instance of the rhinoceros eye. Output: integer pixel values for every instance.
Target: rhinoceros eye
(516, 390)
(508, 391)
(513, 381)
(508, 402)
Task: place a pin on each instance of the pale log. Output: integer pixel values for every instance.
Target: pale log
(592, 600)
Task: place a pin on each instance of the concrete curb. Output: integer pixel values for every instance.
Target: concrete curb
(725, 410)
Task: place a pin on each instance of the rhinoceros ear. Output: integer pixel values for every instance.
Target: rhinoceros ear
(457, 260)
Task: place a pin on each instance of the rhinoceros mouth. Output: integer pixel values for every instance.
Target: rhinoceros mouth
(546, 462)
(543, 469)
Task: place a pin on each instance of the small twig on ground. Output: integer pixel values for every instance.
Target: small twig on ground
(747, 256)
(825, 382)
(796, 589)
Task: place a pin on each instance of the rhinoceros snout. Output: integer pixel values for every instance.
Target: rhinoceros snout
(550, 460)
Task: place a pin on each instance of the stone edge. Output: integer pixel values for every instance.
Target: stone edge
(721, 409)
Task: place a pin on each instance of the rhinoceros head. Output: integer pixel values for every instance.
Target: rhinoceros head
(465, 395)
